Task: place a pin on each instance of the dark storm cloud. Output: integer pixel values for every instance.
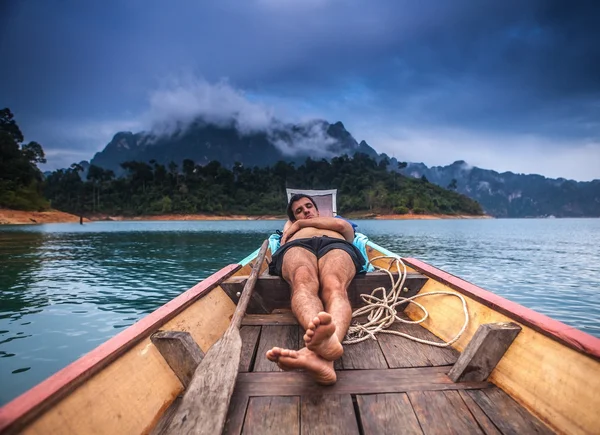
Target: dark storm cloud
(487, 67)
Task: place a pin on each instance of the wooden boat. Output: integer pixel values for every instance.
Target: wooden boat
(544, 380)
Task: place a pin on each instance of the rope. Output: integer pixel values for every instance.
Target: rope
(382, 310)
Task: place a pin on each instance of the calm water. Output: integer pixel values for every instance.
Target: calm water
(66, 288)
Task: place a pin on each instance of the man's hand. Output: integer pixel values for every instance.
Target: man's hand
(324, 223)
(289, 232)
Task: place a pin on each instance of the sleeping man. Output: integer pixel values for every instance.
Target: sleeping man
(318, 261)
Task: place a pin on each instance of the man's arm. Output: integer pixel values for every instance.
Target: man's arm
(323, 223)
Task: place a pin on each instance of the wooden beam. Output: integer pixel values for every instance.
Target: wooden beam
(351, 382)
(286, 318)
(234, 287)
(273, 293)
(484, 351)
(180, 351)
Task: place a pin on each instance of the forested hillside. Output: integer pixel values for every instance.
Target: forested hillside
(152, 188)
(515, 195)
(20, 178)
(364, 184)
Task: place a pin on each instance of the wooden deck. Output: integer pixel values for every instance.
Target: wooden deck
(388, 386)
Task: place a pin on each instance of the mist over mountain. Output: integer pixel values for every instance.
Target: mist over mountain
(500, 194)
(203, 142)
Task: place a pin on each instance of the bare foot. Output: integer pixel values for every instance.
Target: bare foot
(320, 337)
(320, 369)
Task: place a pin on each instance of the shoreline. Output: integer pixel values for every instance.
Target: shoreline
(19, 217)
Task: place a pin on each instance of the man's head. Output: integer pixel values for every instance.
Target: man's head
(301, 206)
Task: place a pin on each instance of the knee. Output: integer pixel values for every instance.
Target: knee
(304, 277)
(332, 285)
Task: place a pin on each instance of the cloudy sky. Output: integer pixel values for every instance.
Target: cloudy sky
(505, 85)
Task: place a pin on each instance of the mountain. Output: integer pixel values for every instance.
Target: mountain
(515, 195)
(500, 194)
(203, 142)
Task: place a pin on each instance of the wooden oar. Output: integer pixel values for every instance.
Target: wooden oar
(204, 406)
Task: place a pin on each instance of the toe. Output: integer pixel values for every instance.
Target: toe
(324, 318)
(276, 351)
(287, 352)
(270, 356)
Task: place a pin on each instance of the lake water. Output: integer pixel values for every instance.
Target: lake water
(66, 288)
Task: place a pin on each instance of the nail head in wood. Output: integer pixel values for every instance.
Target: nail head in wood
(180, 351)
(489, 343)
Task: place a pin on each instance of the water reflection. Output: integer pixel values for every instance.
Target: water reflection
(20, 262)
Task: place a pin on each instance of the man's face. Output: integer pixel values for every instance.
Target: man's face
(304, 209)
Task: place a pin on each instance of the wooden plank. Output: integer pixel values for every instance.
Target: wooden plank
(236, 414)
(249, 336)
(273, 415)
(271, 336)
(443, 412)
(401, 352)
(284, 318)
(233, 287)
(328, 415)
(568, 335)
(25, 408)
(484, 422)
(180, 351)
(484, 351)
(540, 373)
(364, 355)
(506, 414)
(275, 292)
(281, 311)
(351, 382)
(383, 414)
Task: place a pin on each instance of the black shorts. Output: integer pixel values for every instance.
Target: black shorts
(319, 246)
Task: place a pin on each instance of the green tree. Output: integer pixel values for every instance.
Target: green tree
(9, 125)
(20, 178)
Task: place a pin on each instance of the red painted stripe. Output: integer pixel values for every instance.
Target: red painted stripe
(567, 335)
(94, 361)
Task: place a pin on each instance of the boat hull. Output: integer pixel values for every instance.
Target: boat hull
(125, 385)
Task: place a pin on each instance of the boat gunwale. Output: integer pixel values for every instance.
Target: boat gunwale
(24, 408)
(567, 335)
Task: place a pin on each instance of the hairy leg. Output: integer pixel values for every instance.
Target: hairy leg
(328, 329)
(299, 269)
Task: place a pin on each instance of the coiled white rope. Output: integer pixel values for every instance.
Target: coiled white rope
(382, 310)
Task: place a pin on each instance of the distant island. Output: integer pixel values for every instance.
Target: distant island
(500, 194)
(216, 170)
(365, 187)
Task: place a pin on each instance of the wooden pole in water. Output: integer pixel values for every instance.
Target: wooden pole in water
(204, 406)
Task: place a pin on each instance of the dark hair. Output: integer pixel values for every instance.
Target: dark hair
(295, 198)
